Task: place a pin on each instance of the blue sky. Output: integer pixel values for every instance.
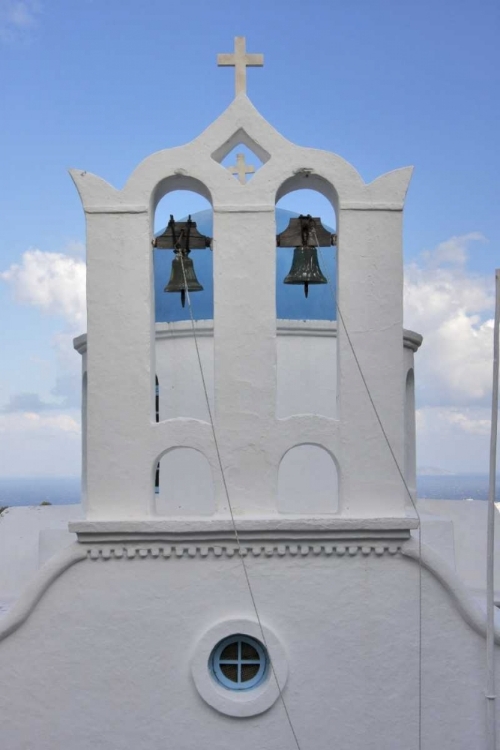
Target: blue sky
(99, 85)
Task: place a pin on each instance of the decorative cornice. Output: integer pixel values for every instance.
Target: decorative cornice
(205, 328)
(412, 340)
(119, 209)
(271, 530)
(370, 206)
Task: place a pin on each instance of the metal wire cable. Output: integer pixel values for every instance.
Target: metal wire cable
(403, 479)
(233, 521)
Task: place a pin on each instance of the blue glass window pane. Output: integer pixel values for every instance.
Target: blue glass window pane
(239, 662)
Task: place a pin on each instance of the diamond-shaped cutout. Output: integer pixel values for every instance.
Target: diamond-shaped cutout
(241, 155)
(242, 163)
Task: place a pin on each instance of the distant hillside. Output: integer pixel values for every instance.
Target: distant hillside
(433, 471)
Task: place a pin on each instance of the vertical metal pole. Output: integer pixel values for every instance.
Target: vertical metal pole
(490, 544)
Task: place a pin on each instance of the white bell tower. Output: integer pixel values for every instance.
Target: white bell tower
(366, 440)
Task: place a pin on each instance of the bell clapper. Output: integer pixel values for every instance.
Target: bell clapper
(306, 289)
(183, 297)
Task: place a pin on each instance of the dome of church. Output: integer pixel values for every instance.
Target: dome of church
(291, 304)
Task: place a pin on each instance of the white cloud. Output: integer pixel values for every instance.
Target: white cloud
(453, 251)
(53, 282)
(17, 17)
(454, 438)
(45, 444)
(27, 402)
(474, 421)
(44, 424)
(453, 310)
(475, 425)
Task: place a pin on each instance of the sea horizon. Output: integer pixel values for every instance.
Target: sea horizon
(66, 490)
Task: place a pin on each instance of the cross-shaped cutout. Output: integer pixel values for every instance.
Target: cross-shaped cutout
(241, 168)
(240, 60)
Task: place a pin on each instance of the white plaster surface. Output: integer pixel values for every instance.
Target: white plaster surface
(186, 484)
(28, 536)
(306, 368)
(466, 523)
(124, 444)
(306, 384)
(181, 388)
(307, 481)
(245, 702)
(110, 667)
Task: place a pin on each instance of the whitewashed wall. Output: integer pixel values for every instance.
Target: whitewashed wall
(28, 537)
(121, 677)
(306, 384)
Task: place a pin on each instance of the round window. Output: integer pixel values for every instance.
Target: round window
(239, 662)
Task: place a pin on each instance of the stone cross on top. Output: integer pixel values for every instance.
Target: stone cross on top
(241, 168)
(240, 60)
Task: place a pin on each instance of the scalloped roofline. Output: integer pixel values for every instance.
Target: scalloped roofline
(241, 122)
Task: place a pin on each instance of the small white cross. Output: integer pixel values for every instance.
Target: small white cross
(241, 169)
(240, 61)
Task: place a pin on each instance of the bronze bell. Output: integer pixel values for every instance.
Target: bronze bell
(183, 279)
(305, 268)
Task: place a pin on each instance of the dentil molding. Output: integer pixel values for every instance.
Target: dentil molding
(164, 552)
(471, 610)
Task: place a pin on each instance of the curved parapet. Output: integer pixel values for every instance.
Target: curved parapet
(37, 588)
(299, 167)
(468, 607)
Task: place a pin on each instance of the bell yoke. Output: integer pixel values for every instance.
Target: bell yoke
(304, 233)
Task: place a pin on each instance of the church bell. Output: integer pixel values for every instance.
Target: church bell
(183, 276)
(305, 268)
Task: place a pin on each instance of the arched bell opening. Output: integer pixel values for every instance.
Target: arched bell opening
(183, 296)
(306, 288)
(306, 180)
(176, 235)
(308, 481)
(185, 484)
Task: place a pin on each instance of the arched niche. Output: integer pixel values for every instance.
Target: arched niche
(308, 481)
(185, 484)
(306, 326)
(84, 438)
(410, 434)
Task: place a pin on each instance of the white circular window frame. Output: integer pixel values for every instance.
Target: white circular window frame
(239, 702)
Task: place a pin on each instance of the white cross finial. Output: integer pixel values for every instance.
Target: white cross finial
(240, 60)
(241, 169)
